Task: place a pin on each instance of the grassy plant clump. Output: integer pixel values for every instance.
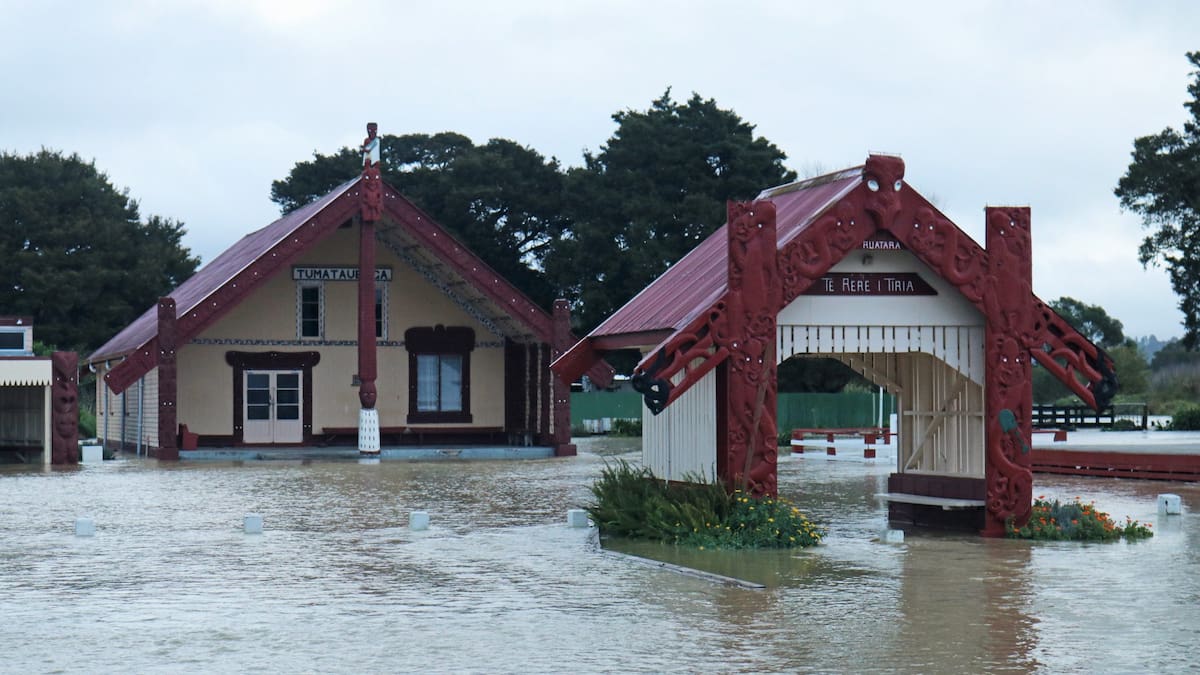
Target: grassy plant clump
(87, 423)
(626, 427)
(632, 502)
(1186, 419)
(1074, 521)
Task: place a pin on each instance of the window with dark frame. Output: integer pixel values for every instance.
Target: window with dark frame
(309, 311)
(439, 374)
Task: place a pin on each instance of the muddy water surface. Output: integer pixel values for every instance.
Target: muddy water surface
(338, 583)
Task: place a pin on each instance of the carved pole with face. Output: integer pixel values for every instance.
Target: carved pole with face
(371, 207)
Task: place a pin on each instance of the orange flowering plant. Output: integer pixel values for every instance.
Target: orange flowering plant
(1074, 521)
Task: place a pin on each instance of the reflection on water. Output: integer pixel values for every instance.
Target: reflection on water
(339, 583)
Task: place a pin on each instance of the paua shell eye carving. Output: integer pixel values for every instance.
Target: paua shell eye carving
(873, 185)
(897, 186)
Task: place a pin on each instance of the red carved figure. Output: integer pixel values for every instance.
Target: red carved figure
(751, 304)
(167, 381)
(1009, 385)
(64, 408)
(883, 177)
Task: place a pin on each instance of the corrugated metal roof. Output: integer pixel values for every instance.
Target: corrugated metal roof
(214, 275)
(692, 285)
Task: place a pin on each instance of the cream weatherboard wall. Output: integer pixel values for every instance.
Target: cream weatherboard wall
(267, 321)
(128, 419)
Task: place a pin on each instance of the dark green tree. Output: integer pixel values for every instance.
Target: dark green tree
(1132, 370)
(503, 200)
(1162, 184)
(828, 376)
(1175, 376)
(1105, 332)
(653, 192)
(74, 253)
(1091, 321)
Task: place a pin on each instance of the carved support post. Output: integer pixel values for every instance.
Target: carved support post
(371, 207)
(1009, 379)
(561, 389)
(751, 304)
(64, 408)
(168, 446)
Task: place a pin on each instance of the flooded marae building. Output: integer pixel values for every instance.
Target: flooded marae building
(855, 266)
(264, 346)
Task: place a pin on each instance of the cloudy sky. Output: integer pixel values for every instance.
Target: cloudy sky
(196, 106)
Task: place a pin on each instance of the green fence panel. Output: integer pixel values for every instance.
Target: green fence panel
(831, 411)
(850, 409)
(595, 405)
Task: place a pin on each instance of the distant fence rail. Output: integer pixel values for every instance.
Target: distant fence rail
(1074, 416)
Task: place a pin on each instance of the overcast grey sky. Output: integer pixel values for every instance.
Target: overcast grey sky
(196, 106)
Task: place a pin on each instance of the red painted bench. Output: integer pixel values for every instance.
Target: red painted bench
(869, 436)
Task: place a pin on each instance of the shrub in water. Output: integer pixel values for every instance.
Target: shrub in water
(1074, 521)
(632, 502)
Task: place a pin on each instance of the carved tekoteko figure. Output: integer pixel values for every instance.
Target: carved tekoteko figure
(371, 195)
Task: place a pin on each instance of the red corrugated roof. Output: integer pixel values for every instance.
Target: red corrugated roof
(214, 275)
(699, 279)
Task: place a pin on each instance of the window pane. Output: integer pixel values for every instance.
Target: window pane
(287, 412)
(378, 312)
(287, 381)
(258, 412)
(451, 383)
(258, 396)
(427, 382)
(283, 396)
(310, 311)
(257, 380)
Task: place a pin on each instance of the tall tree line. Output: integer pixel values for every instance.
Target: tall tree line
(76, 255)
(595, 234)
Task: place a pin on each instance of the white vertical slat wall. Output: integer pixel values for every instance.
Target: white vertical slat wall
(680, 443)
(959, 347)
(936, 373)
(942, 430)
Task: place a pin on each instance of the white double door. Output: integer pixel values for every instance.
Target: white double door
(273, 406)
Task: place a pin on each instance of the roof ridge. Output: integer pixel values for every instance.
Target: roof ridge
(814, 181)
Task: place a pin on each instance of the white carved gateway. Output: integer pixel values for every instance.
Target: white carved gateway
(927, 348)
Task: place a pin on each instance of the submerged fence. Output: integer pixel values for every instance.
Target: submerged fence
(850, 409)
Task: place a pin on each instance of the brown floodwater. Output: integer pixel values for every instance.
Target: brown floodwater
(339, 583)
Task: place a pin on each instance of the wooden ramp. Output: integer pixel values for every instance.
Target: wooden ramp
(1085, 462)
